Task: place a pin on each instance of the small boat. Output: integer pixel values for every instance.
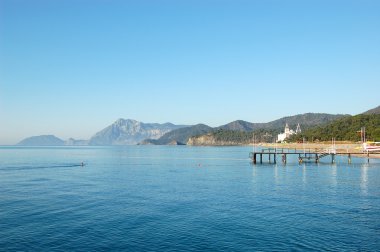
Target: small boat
(371, 146)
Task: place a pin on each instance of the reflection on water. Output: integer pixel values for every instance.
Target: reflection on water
(333, 175)
(364, 179)
(304, 175)
(276, 179)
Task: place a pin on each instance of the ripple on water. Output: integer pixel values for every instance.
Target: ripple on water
(152, 203)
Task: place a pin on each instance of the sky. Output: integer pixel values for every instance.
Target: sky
(72, 67)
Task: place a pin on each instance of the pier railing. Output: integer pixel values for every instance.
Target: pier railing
(306, 154)
(288, 150)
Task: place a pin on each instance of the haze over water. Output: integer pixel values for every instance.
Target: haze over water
(173, 198)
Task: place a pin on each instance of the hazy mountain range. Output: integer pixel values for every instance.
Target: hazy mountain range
(131, 132)
(182, 136)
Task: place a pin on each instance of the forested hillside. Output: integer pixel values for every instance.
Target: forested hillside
(344, 129)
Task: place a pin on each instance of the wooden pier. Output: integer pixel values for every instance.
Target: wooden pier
(304, 155)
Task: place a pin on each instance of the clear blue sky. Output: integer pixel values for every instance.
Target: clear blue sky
(72, 67)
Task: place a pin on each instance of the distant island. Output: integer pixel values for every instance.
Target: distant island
(51, 140)
(315, 127)
(44, 140)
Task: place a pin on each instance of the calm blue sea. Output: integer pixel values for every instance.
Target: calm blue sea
(180, 198)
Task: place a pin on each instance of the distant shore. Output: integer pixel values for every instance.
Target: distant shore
(340, 147)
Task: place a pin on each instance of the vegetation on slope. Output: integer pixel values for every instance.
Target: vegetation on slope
(231, 137)
(344, 129)
(305, 120)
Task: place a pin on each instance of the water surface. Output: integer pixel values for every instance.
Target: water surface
(176, 198)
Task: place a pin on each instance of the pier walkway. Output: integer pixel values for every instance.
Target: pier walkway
(304, 155)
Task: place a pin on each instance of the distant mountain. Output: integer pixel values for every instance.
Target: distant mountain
(240, 125)
(44, 140)
(230, 134)
(129, 132)
(374, 111)
(305, 120)
(180, 136)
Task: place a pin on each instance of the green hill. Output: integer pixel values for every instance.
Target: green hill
(344, 129)
(241, 132)
(305, 120)
(221, 137)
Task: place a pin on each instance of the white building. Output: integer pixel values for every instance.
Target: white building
(287, 133)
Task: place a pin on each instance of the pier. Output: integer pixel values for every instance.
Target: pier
(271, 155)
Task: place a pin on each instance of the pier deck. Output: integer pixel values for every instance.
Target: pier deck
(305, 155)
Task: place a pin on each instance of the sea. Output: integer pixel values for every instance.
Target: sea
(183, 198)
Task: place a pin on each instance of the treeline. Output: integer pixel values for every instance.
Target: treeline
(241, 137)
(344, 129)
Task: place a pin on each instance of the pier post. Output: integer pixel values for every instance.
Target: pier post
(349, 158)
(254, 158)
(284, 158)
(269, 157)
(261, 158)
(316, 158)
(332, 158)
(274, 158)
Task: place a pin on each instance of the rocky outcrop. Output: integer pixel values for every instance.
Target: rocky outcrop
(129, 132)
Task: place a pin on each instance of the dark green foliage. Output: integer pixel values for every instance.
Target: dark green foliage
(344, 129)
(267, 135)
(242, 137)
(305, 120)
(230, 136)
(239, 125)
